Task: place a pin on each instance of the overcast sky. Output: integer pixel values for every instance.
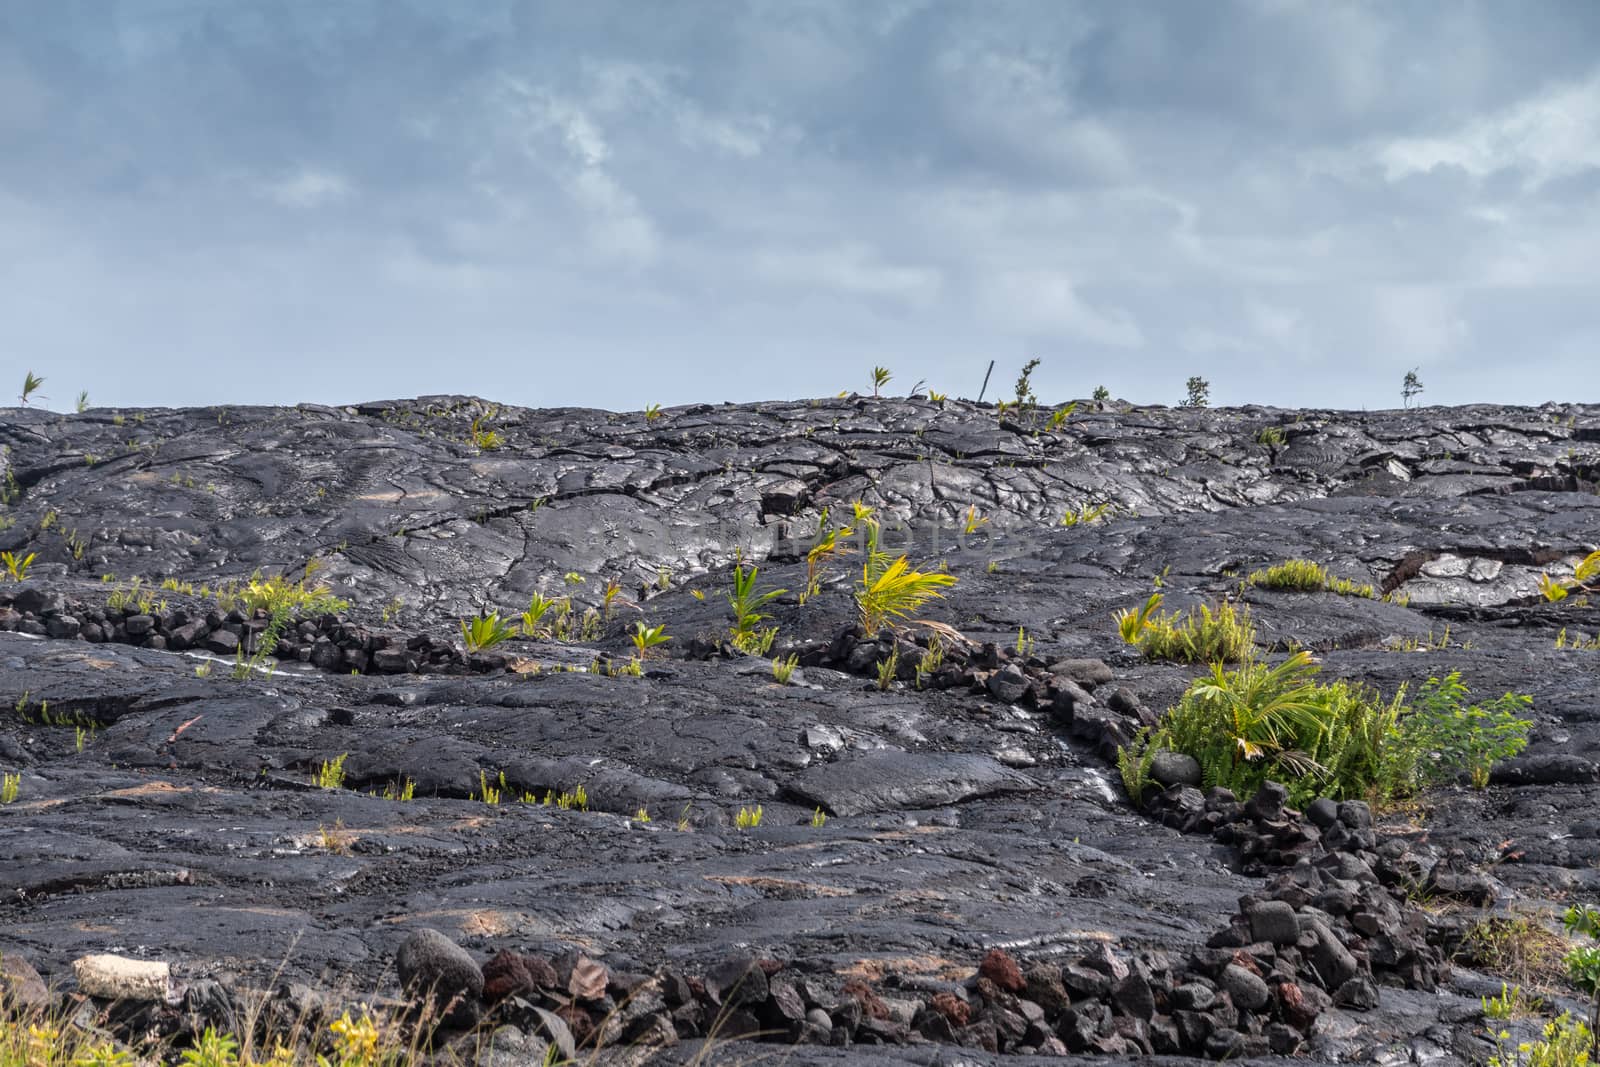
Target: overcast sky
(606, 203)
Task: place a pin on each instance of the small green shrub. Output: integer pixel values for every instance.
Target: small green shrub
(1565, 1042)
(1583, 964)
(330, 775)
(1133, 763)
(10, 787)
(1338, 739)
(1307, 576)
(1225, 635)
(1519, 947)
(1450, 736)
(302, 597)
(783, 669)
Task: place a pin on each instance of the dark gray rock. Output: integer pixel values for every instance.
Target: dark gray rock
(1175, 768)
(1273, 921)
(430, 965)
(1085, 672)
(1247, 990)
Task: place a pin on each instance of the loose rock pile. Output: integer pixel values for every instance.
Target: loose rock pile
(329, 642)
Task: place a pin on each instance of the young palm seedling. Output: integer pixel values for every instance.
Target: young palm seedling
(533, 620)
(485, 631)
(745, 602)
(30, 385)
(1133, 622)
(16, 567)
(891, 588)
(830, 542)
(748, 818)
(647, 637)
(783, 669)
(880, 378)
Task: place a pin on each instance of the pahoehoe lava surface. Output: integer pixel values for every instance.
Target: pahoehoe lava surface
(188, 826)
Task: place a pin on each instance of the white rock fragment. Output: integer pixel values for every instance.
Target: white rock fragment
(119, 978)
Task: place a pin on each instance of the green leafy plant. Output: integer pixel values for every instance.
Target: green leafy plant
(485, 631)
(748, 818)
(937, 398)
(890, 588)
(652, 412)
(830, 542)
(1101, 394)
(1132, 623)
(894, 590)
(17, 567)
(880, 378)
(83, 401)
(1059, 417)
(1564, 1042)
(533, 620)
(1451, 735)
(1134, 761)
(10, 787)
(818, 819)
(1198, 393)
(1337, 739)
(1511, 1003)
(1271, 436)
(1584, 574)
(783, 669)
(303, 596)
(1022, 391)
(330, 775)
(30, 385)
(974, 521)
(1203, 635)
(1306, 576)
(489, 794)
(1583, 963)
(211, 1049)
(745, 600)
(484, 437)
(887, 668)
(1086, 514)
(646, 638)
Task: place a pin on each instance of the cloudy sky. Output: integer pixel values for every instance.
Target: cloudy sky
(618, 202)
